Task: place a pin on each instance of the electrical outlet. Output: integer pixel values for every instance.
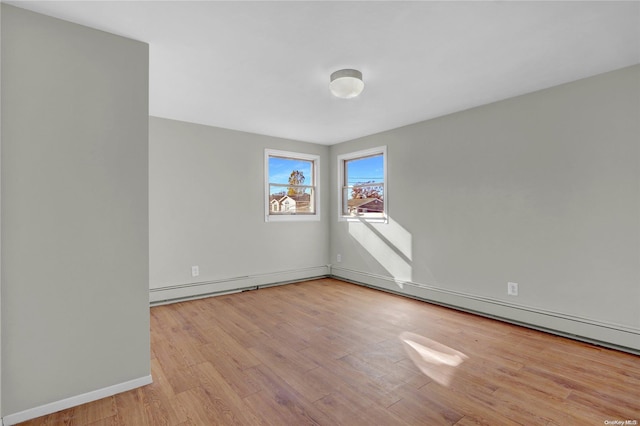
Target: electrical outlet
(339, 258)
(195, 271)
(512, 289)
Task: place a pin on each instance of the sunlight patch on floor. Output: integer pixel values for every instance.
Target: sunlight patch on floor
(435, 360)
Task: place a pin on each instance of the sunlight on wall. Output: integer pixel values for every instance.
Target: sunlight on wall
(434, 359)
(389, 244)
(396, 235)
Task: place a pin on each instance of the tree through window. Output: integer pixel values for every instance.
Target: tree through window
(291, 185)
(362, 184)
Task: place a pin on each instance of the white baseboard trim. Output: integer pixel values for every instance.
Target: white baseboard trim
(197, 290)
(616, 336)
(74, 401)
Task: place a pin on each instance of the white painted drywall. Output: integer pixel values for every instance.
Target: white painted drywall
(75, 315)
(0, 218)
(542, 190)
(206, 194)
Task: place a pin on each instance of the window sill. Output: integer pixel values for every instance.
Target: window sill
(363, 219)
(292, 218)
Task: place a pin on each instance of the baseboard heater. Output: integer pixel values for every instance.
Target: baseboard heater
(613, 336)
(198, 290)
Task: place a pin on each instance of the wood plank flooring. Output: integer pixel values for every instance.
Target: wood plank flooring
(326, 352)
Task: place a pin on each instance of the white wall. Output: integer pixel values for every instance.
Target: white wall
(542, 190)
(206, 195)
(0, 219)
(75, 315)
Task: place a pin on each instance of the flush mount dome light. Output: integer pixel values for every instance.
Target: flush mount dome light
(346, 84)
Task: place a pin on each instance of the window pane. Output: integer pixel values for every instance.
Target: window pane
(290, 170)
(365, 200)
(285, 200)
(363, 194)
(291, 186)
(364, 170)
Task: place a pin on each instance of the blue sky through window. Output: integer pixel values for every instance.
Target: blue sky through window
(364, 170)
(280, 169)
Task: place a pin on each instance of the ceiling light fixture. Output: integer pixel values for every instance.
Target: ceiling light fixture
(346, 83)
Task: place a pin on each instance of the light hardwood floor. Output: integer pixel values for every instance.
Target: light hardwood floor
(331, 353)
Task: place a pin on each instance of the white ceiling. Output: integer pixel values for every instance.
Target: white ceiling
(264, 66)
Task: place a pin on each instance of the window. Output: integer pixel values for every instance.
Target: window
(291, 186)
(362, 177)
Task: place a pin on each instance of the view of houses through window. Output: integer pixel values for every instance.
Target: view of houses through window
(363, 184)
(291, 184)
(292, 192)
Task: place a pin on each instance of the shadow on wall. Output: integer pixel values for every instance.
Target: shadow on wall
(389, 244)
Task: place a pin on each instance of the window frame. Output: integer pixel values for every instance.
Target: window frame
(315, 185)
(342, 159)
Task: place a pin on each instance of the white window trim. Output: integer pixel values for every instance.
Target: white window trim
(316, 180)
(354, 155)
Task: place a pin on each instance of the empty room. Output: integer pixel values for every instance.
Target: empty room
(320, 212)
